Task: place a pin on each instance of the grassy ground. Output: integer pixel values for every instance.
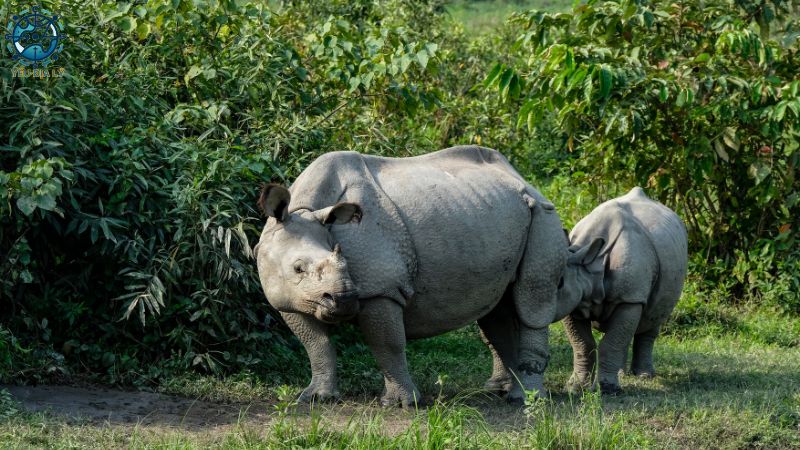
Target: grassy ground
(728, 378)
(483, 16)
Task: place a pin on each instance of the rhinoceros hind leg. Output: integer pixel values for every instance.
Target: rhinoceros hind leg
(500, 332)
(381, 322)
(531, 363)
(584, 353)
(620, 328)
(642, 364)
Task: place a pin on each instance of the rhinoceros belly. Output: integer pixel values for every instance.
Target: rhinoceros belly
(469, 225)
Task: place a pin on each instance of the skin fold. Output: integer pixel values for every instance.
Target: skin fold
(410, 248)
(624, 275)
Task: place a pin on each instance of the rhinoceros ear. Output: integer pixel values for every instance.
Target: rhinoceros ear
(274, 201)
(587, 255)
(339, 213)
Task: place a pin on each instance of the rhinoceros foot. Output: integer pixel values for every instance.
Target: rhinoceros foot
(399, 396)
(644, 373)
(578, 383)
(319, 392)
(611, 389)
(517, 395)
(499, 386)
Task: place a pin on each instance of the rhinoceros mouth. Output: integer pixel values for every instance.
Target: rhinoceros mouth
(334, 308)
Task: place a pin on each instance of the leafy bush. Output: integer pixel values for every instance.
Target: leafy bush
(129, 184)
(697, 101)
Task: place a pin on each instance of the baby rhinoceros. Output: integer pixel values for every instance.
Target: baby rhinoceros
(624, 275)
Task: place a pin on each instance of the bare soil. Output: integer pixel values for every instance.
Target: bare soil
(113, 406)
(107, 406)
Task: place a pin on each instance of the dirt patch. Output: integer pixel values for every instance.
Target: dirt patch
(112, 406)
(105, 406)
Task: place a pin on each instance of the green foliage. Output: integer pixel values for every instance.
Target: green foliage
(38, 363)
(696, 101)
(129, 183)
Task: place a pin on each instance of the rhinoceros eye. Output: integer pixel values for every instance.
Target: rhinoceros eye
(299, 266)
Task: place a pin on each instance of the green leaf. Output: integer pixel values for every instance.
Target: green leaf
(431, 48)
(493, 75)
(588, 89)
(143, 30)
(505, 80)
(127, 24)
(45, 202)
(606, 80)
(569, 59)
(685, 97)
(354, 82)
(759, 171)
(702, 57)
(405, 61)
(663, 93)
(192, 73)
(26, 276)
(720, 149)
(779, 110)
(106, 231)
(120, 10)
(422, 57)
(26, 204)
(730, 138)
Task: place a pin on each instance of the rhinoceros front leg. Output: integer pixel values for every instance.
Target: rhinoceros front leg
(642, 364)
(531, 363)
(614, 345)
(584, 353)
(314, 336)
(381, 322)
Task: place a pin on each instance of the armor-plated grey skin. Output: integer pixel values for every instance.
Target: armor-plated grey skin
(624, 275)
(410, 248)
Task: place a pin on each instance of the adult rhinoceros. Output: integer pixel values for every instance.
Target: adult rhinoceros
(413, 247)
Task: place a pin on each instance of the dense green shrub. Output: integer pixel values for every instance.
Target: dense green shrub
(129, 184)
(697, 101)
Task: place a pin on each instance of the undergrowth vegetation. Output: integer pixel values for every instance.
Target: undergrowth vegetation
(715, 389)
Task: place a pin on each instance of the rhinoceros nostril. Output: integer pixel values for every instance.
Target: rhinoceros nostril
(327, 297)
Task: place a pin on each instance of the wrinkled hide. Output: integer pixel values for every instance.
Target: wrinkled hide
(625, 273)
(443, 237)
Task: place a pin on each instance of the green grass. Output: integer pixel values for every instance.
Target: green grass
(484, 16)
(727, 378)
